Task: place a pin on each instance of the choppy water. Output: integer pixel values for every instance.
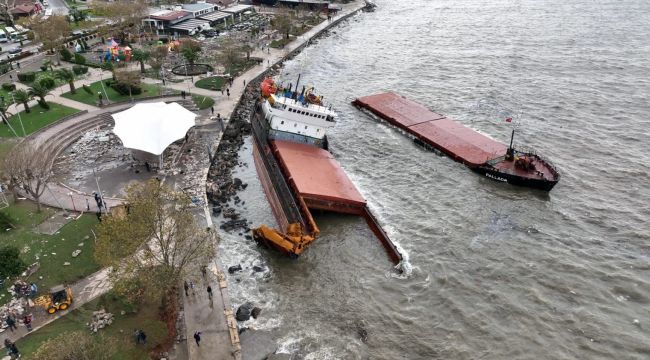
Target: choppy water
(497, 272)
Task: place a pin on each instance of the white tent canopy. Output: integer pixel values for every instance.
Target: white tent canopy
(151, 127)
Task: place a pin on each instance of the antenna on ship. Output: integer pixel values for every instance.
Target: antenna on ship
(297, 83)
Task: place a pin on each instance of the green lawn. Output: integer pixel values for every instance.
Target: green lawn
(203, 102)
(122, 328)
(36, 119)
(211, 83)
(113, 96)
(51, 251)
(6, 95)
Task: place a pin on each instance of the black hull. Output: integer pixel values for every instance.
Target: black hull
(496, 175)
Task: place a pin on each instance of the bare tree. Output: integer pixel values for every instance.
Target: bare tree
(157, 56)
(27, 169)
(5, 11)
(231, 53)
(51, 32)
(154, 243)
(283, 23)
(126, 14)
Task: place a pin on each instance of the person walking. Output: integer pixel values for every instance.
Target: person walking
(27, 320)
(186, 287)
(228, 92)
(212, 109)
(11, 348)
(11, 322)
(87, 205)
(209, 292)
(197, 338)
(192, 287)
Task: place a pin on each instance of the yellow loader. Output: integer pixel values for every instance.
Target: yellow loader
(59, 298)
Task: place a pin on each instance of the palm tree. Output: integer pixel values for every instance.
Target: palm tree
(141, 56)
(22, 96)
(67, 75)
(39, 91)
(4, 115)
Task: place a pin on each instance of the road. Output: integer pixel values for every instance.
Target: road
(58, 7)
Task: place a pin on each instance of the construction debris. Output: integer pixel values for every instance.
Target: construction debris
(100, 320)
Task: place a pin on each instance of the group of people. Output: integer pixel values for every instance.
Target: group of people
(11, 321)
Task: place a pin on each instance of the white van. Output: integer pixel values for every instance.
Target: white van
(3, 37)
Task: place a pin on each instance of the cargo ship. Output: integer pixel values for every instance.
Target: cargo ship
(480, 153)
(298, 173)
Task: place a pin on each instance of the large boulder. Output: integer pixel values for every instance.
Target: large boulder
(244, 312)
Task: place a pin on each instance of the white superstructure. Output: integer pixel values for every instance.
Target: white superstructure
(292, 116)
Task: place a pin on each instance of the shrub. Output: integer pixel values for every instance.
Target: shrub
(79, 69)
(87, 89)
(47, 81)
(123, 88)
(66, 54)
(10, 262)
(107, 66)
(6, 222)
(27, 77)
(43, 67)
(79, 59)
(4, 68)
(9, 86)
(43, 104)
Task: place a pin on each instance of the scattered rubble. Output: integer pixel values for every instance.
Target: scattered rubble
(76, 253)
(100, 320)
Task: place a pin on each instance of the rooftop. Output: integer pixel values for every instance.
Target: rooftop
(169, 15)
(214, 16)
(197, 7)
(237, 9)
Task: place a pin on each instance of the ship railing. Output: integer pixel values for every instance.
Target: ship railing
(533, 152)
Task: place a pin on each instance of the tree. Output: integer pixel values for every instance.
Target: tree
(127, 82)
(141, 56)
(67, 75)
(22, 96)
(5, 11)
(4, 111)
(40, 91)
(154, 243)
(157, 57)
(125, 14)
(51, 32)
(231, 53)
(190, 49)
(27, 169)
(77, 345)
(10, 262)
(282, 23)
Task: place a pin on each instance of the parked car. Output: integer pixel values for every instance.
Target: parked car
(16, 50)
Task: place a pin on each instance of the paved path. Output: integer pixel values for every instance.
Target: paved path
(83, 291)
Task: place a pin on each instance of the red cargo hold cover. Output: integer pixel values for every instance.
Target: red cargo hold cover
(403, 112)
(458, 141)
(469, 146)
(316, 174)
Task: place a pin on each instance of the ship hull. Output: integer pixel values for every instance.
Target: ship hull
(497, 175)
(463, 144)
